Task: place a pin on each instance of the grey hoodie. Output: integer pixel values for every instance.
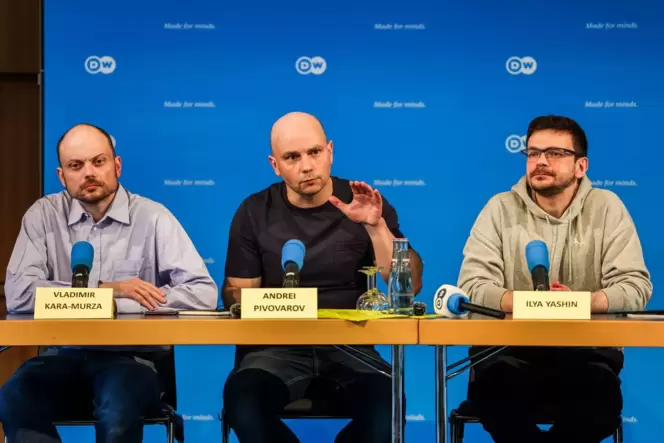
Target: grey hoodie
(593, 246)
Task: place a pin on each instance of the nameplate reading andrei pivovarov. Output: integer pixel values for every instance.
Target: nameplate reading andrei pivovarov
(279, 303)
(551, 305)
(74, 303)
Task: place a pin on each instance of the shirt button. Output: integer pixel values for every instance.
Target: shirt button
(94, 228)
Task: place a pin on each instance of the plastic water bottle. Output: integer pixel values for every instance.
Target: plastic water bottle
(400, 285)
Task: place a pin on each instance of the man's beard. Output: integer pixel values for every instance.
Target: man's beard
(311, 192)
(555, 189)
(92, 199)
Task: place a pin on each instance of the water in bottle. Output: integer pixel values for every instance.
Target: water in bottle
(400, 285)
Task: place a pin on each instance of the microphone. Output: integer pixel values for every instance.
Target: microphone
(82, 256)
(537, 256)
(292, 259)
(452, 302)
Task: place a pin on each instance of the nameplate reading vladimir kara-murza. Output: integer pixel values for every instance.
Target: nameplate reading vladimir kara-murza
(279, 303)
(551, 305)
(74, 303)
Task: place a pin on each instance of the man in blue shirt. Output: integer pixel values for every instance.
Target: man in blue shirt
(140, 251)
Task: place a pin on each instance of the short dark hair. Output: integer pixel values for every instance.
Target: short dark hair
(102, 131)
(561, 124)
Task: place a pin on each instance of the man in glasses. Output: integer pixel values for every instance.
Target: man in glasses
(593, 246)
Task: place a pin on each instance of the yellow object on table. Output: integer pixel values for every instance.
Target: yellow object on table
(357, 315)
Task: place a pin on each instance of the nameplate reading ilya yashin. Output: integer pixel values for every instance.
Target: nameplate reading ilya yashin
(551, 305)
(74, 303)
(279, 303)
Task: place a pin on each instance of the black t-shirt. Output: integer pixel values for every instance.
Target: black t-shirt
(336, 247)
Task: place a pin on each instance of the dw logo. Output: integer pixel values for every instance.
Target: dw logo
(521, 65)
(515, 143)
(313, 65)
(105, 64)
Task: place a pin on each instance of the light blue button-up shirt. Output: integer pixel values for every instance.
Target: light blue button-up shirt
(136, 238)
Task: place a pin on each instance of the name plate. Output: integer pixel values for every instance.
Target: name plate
(551, 305)
(74, 303)
(279, 303)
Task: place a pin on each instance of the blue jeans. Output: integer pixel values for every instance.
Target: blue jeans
(118, 390)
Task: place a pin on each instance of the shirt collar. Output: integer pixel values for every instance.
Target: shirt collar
(118, 211)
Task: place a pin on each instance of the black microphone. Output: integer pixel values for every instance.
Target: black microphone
(451, 302)
(292, 259)
(82, 256)
(537, 256)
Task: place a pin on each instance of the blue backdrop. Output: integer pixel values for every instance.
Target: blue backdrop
(427, 100)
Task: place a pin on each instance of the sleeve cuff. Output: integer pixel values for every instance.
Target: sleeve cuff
(615, 297)
(493, 295)
(128, 306)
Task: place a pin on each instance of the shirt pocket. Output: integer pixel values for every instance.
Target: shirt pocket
(126, 269)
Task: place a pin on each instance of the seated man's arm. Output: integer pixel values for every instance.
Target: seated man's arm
(482, 271)
(382, 236)
(28, 268)
(187, 282)
(243, 260)
(232, 288)
(625, 280)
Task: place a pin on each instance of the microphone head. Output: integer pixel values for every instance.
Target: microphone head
(82, 253)
(446, 301)
(537, 254)
(293, 250)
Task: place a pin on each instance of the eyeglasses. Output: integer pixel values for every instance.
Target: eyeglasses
(549, 153)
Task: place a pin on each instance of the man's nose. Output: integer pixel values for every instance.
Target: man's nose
(541, 160)
(89, 169)
(307, 164)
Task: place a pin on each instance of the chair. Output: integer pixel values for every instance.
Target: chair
(465, 414)
(318, 403)
(168, 417)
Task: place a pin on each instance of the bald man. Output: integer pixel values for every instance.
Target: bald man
(140, 251)
(344, 225)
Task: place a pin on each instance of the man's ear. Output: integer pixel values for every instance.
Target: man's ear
(61, 175)
(581, 167)
(275, 166)
(330, 148)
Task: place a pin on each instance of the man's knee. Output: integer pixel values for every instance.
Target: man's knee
(121, 411)
(15, 402)
(115, 421)
(603, 406)
(491, 381)
(252, 393)
(370, 401)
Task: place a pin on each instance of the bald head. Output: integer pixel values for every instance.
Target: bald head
(89, 168)
(84, 134)
(296, 126)
(302, 156)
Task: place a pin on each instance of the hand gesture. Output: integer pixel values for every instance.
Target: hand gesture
(143, 292)
(366, 206)
(557, 286)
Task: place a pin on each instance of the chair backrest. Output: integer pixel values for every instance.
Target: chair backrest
(165, 365)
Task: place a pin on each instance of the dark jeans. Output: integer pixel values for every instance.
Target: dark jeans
(579, 389)
(118, 388)
(266, 380)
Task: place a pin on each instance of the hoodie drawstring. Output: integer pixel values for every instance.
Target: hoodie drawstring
(570, 242)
